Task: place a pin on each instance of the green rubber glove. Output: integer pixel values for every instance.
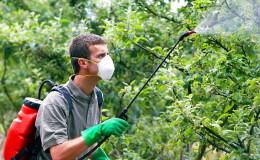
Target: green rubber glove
(100, 155)
(113, 126)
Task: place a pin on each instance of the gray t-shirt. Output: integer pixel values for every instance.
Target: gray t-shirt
(56, 125)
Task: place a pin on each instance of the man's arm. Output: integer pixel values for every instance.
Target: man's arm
(71, 149)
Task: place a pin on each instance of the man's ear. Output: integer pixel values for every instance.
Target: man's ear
(82, 63)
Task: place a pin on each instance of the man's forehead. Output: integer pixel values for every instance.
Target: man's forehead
(98, 47)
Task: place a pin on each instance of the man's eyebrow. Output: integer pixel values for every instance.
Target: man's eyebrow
(104, 53)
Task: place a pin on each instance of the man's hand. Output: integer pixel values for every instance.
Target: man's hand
(113, 126)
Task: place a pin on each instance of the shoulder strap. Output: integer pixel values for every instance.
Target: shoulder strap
(99, 96)
(66, 95)
(28, 149)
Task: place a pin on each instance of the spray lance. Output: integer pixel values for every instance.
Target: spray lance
(123, 115)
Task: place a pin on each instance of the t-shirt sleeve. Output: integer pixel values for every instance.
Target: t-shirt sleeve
(51, 121)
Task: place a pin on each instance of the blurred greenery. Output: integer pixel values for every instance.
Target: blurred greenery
(205, 97)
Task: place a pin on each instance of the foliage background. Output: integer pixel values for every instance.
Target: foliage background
(205, 98)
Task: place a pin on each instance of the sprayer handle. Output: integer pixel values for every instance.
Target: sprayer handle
(123, 115)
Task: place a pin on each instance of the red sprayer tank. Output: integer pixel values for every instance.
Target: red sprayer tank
(22, 129)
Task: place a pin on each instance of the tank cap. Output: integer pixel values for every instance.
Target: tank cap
(32, 102)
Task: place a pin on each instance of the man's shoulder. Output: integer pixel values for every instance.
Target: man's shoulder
(54, 99)
(53, 104)
(54, 96)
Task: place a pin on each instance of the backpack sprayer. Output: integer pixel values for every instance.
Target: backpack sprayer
(123, 115)
(21, 141)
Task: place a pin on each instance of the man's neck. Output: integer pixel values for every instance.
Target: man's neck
(86, 84)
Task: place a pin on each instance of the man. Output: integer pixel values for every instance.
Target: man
(68, 134)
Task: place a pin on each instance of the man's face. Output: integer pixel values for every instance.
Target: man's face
(97, 52)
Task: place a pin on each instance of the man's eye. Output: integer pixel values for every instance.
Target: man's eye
(101, 56)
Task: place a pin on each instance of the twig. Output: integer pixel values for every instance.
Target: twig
(232, 66)
(256, 13)
(178, 68)
(156, 14)
(213, 144)
(241, 143)
(220, 44)
(202, 151)
(235, 13)
(244, 53)
(251, 132)
(146, 49)
(119, 153)
(3, 82)
(233, 145)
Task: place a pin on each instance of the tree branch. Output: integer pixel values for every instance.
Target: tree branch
(256, 13)
(119, 153)
(203, 148)
(232, 66)
(242, 145)
(146, 49)
(220, 44)
(216, 146)
(154, 13)
(229, 112)
(251, 132)
(233, 145)
(235, 13)
(212, 143)
(2, 120)
(244, 53)
(3, 82)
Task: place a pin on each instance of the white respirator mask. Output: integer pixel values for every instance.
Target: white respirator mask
(106, 67)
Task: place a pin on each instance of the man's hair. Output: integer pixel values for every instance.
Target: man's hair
(79, 48)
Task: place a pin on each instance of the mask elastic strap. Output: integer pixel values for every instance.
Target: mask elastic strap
(84, 59)
(87, 75)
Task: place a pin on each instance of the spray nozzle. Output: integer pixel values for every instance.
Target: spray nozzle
(191, 32)
(186, 34)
